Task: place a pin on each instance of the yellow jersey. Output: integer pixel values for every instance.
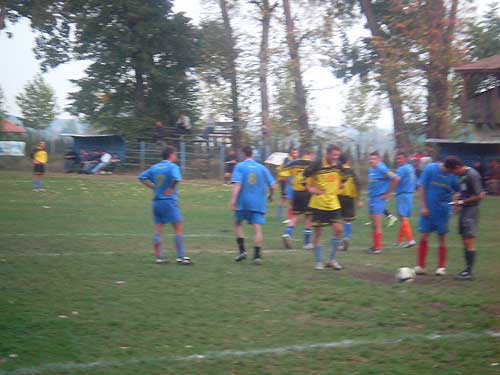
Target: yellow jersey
(40, 156)
(328, 178)
(351, 185)
(295, 169)
(281, 167)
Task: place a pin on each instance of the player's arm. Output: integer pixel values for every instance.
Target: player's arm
(394, 182)
(146, 180)
(147, 183)
(170, 190)
(234, 195)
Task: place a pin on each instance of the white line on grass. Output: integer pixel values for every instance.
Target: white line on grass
(249, 353)
(93, 234)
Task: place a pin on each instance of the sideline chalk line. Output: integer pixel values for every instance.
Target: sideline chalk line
(249, 353)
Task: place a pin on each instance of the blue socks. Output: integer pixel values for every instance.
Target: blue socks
(318, 254)
(335, 244)
(37, 184)
(307, 236)
(179, 245)
(347, 230)
(158, 246)
(289, 230)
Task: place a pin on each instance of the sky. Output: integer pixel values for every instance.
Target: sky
(18, 66)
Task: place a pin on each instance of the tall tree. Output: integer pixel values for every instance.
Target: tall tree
(482, 36)
(230, 41)
(388, 73)
(37, 103)
(141, 55)
(266, 10)
(296, 71)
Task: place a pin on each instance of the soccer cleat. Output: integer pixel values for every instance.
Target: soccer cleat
(184, 261)
(41, 189)
(241, 257)
(319, 266)
(464, 275)
(257, 261)
(334, 264)
(344, 245)
(287, 241)
(409, 244)
(398, 244)
(392, 220)
(419, 270)
(161, 261)
(441, 271)
(372, 250)
(308, 246)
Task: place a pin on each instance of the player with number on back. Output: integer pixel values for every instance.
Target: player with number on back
(248, 201)
(163, 179)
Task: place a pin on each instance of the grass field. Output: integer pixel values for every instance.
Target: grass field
(80, 293)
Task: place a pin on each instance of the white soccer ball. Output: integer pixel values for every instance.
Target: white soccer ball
(405, 275)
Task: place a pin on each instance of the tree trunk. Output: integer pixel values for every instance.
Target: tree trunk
(266, 11)
(231, 44)
(441, 31)
(296, 71)
(387, 77)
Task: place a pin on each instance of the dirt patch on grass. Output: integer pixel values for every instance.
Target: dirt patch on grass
(375, 276)
(492, 309)
(439, 305)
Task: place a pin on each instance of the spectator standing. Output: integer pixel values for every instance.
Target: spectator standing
(40, 158)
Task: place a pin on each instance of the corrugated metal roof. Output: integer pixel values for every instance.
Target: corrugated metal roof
(437, 140)
(10, 127)
(88, 135)
(488, 65)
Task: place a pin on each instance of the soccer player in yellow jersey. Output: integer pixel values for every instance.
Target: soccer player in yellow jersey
(40, 158)
(348, 194)
(300, 200)
(324, 180)
(285, 188)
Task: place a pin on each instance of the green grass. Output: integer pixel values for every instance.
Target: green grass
(100, 227)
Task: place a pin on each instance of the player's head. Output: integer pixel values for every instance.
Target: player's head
(247, 151)
(294, 152)
(345, 159)
(42, 145)
(401, 157)
(169, 153)
(453, 164)
(374, 158)
(332, 154)
(307, 152)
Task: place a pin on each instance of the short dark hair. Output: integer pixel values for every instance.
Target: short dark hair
(344, 158)
(375, 153)
(331, 148)
(402, 153)
(453, 162)
(167, 151)
(248, 151)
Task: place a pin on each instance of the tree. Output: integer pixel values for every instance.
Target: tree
(482, 36)
(296, 71)
(230, 42)
(141, 55)
(37, 103)
(265, 9)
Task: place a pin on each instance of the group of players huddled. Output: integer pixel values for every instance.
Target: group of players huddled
(326, 192)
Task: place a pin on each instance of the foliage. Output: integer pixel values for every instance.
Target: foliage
(362, 110)
(37, 103)
(482, 36)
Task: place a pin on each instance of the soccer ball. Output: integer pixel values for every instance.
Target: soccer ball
(405, 275)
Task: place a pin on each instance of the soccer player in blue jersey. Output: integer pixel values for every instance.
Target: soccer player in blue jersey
(404, 199)
(250, 181)
(163, 179)
(436, 186)
(381, 183)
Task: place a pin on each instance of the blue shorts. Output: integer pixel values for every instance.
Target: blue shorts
(166, 211)
(376, 205)
(404, 204)
(435, 222)
(251, 217)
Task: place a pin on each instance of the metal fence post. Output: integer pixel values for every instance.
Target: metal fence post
(182, 146)
(222, 157)
(142, 154)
